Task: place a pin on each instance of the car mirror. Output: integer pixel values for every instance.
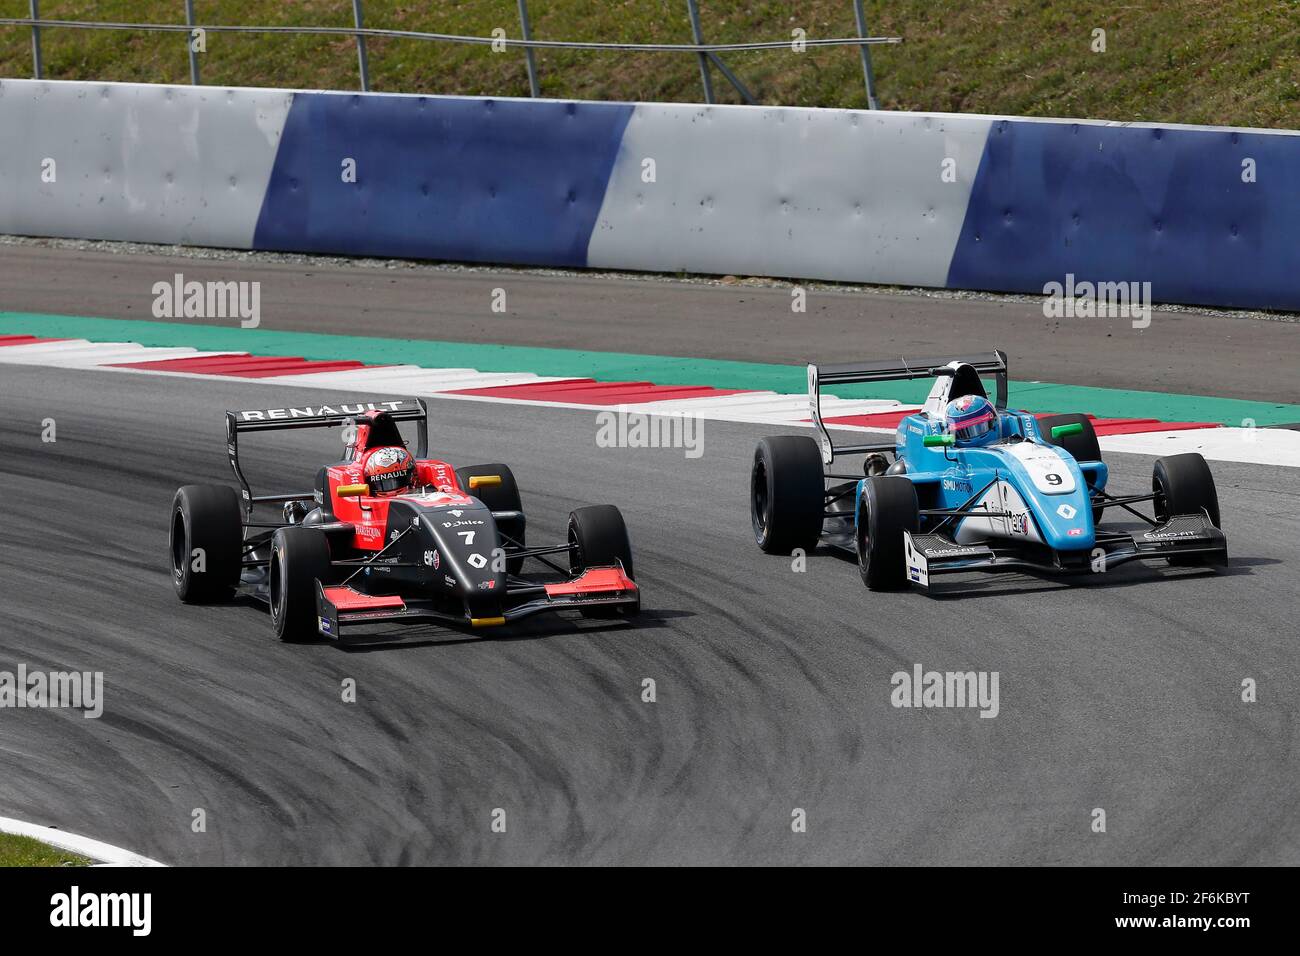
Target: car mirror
(352, 491)
(1060, 431)
(935, 441)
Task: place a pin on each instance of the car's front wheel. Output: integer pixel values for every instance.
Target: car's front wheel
(299, 558)
(886, 508)
(1183, 485)
(598, 538)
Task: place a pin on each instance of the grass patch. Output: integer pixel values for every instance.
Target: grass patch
(1228, 62)
(28, 851)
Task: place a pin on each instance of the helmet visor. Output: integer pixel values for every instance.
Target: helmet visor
(390, 481)
(975, 428)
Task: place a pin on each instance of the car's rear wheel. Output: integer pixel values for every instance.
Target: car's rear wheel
(206, 542)
(1183, 485)
(598, 538)
(499, 497)
(787, 496)
(887, 507)
(299, 558)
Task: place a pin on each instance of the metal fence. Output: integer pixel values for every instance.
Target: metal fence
(707, 53)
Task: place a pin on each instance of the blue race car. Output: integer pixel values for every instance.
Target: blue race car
(972, 486)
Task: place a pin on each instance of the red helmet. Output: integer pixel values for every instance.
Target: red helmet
(389, 470)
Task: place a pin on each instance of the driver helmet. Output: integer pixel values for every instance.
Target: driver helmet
(972, 420)
(389, 470)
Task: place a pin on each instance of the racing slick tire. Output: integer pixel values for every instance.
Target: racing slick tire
(1183, 485)
(787, 494)
(206, 543)
(887, 508)
(598, 536)
(502, 497)
(299, 557)
(1083, 446)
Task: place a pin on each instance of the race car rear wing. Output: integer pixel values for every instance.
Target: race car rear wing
(314, 416)
(893, 370)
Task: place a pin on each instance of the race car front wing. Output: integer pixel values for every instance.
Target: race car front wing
(927, 555)
(340, 607)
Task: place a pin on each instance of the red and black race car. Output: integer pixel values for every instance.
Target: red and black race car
(426, 543)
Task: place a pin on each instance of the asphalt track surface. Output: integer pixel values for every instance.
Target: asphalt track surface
(773, 686)
(1181, 352)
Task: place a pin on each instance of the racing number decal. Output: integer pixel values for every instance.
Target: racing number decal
(1045, 467)
(467, 535)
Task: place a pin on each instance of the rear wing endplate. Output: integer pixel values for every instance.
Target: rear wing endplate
(314, 416)
(892, 370)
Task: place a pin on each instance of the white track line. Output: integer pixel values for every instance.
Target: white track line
(95, 850)
(1255, 446)
(78, 353)
(1264, 446)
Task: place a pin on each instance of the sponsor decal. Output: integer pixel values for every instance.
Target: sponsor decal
(1066, 511)
(1075, 532)
(460, 524)
(1020, 523)
(394, 535)
(953, 484)
(1161, 535)
(433, 559)
(486, 585)
(324, 625)
(444, 478)
(476, 560)
(368, 615)
(318, 411)
(940, 552)
(368, 532)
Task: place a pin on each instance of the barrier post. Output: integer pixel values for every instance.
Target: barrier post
(189, 43)
(38, 68)
(527, 32)
(363, 64)
(868, 74)
(694, 12)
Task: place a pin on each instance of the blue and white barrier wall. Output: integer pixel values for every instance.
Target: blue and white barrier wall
(1207, 215)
